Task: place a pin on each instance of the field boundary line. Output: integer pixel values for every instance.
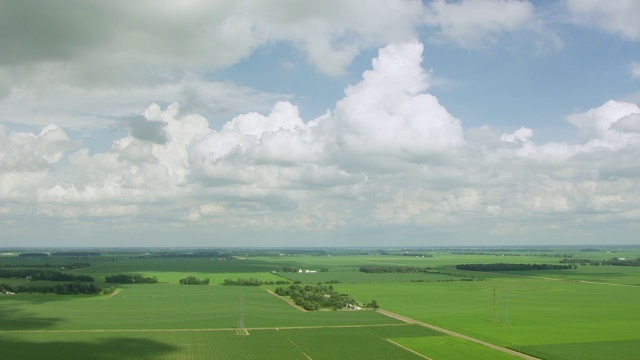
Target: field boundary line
(410, 350)
(201, 330)
(458, 335)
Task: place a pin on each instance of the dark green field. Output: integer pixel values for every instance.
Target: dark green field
(590, 312)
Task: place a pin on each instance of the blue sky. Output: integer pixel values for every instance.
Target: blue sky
(295, 123)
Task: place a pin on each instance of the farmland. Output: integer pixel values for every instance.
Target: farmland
(586, 312)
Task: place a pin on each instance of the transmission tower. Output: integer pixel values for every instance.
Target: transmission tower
(506, 309)
(241, 310)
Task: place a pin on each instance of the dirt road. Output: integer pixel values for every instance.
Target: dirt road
(451, 333)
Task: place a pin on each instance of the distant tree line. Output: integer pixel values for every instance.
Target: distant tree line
(72, 288)
(613, 261)
(33, 254)
(405, 253)
(279, 282)
(130, 279)
(59, 266)
(393, 269)
(314, 297)
(417, 255)
(44, 275)
(192, 280)
(512, 267)
(575, 261)
(290, 269)
(256, 282)
(243, 282)
(76, 253)
(621, 262)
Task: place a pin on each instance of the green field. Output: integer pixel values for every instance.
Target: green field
(590, 312)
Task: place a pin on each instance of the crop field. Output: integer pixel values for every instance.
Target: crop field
(588, 312)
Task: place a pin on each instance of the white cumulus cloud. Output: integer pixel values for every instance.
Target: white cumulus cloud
(389, 157)
(477, 23)
(615, 16)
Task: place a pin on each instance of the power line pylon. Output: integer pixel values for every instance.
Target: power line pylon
(241, 310)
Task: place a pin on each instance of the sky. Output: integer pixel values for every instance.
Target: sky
(319, 123)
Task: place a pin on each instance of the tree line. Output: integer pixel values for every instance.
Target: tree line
(130, 279)
(72, 288)
(613, 261)
(393, 269)
(76, 253)
(192, 280)
(44, 275)
(243, 282)
(33, 254)
(59, 266)
(512, 267)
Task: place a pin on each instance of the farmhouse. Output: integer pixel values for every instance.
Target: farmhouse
(300, 271)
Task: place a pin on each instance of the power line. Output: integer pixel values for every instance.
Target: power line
(506, 308)
(495, 306)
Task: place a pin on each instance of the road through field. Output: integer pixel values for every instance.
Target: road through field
(452, 333)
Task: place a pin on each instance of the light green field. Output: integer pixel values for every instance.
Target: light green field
(448, 347)
(167, 306)
(360, 277)
(540, 312)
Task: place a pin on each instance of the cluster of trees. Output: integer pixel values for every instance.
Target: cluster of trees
(130, 279)
(314, 297)
(192, 280)
(393, 269)
(108, 290)
(60, 289)
(512, 267)
(44, 275)
(243, 282)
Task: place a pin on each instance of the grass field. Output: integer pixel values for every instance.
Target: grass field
(591, 312)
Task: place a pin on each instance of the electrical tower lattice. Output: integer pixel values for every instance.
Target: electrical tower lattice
(241, 310)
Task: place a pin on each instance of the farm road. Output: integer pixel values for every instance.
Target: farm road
(451, 333)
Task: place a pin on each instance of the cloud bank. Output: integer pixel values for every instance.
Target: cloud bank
(87, 64)
(390, 159)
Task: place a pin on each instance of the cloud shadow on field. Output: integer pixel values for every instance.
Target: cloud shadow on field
(15, 318)
(104, 349)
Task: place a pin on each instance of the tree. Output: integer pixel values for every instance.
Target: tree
(374, 305)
